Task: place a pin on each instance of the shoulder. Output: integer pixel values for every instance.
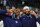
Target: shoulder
(32, 15)
(23, 16)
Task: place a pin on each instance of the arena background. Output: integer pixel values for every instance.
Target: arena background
(18, 3)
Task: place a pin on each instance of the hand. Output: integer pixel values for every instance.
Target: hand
(11, 10)
(33, 13)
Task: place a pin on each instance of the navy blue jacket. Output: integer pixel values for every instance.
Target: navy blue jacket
(17, 23)
(7, 21)
(38, 20)
(29, 21)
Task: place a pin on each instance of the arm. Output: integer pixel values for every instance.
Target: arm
(3, 11)
(33, 13)
(38, 19)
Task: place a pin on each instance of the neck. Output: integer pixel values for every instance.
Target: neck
(17, 17)
(27, 14)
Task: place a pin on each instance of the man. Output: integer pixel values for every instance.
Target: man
(17, 13)
(17, 19)
(29, 20)
(7, 22)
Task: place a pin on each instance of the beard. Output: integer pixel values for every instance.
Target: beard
(28, 14)
(16, 16)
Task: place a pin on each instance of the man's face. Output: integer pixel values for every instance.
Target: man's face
(27, 11)
(17, 12)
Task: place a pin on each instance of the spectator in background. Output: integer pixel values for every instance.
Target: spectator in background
(13, 7)
(21, 12)
(36, 10)
(38, 13)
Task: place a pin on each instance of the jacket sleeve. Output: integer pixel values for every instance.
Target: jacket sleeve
(3, 11)
(38, 19)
